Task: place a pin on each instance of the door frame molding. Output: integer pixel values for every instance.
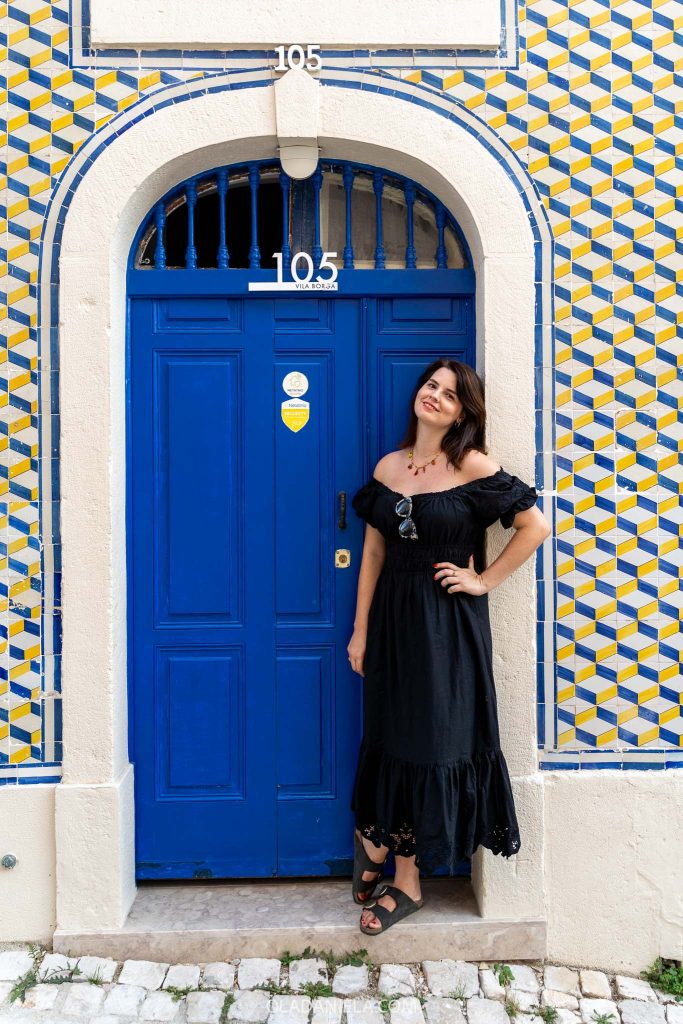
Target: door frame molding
(96, 209)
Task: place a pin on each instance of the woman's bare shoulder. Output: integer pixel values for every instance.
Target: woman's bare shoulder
(475, 465)
(388, 466)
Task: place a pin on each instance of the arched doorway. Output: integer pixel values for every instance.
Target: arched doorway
(253, 417)
(98, 205)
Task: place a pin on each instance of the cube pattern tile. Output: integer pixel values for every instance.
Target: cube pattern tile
(592, 109)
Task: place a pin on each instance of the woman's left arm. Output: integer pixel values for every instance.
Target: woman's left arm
(531, 529)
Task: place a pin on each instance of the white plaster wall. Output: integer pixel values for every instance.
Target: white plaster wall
(232, 24)
(27, 891)
(613, 867)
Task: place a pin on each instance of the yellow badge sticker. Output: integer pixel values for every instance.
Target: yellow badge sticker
(295, 413)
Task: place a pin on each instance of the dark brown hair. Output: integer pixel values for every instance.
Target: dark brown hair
(470, 391)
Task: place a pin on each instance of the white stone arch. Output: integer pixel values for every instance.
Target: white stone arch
(102, 199)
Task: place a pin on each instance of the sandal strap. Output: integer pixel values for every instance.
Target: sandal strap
(404, 905)
(365, 885)
(362, 862)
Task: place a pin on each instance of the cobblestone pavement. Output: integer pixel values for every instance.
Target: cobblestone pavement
(307, 991)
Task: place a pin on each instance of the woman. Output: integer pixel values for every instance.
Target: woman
(431, 782)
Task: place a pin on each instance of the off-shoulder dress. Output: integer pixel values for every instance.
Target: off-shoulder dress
(431, 779)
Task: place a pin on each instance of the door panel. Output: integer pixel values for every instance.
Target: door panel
(404, 334)
(200, 610)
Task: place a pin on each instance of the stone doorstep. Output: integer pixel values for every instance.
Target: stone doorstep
(192, 923)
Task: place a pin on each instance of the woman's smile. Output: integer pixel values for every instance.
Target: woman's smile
(430, 406)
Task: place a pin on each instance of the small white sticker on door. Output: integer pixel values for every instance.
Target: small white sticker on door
(295, 413)
(295, 384)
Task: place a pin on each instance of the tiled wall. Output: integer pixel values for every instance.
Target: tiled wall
(593, 111)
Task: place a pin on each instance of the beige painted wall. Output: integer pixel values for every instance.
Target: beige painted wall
(27, 891)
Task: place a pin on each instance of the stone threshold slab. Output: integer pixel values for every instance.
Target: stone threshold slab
(192, 923)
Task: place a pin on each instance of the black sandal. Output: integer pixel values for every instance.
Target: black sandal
(362, 862)
(404, 906)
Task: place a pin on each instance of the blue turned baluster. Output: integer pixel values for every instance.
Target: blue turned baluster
(411, 254)
(159, 250)
(285, 185)
(378, 186)
(254, 251)
(223, 256)
(441, 254)
(191, 251)
(347, 177)
(317, 181)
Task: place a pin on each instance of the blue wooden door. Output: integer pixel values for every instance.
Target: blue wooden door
(245, 715)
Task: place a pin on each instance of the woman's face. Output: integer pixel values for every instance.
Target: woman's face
(437, 401)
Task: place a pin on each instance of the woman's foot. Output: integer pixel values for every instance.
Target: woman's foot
(410, 886)
(376, 854)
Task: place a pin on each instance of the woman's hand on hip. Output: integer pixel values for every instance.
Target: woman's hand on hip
(457, 580)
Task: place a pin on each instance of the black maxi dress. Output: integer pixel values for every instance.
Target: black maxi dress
(431, 779)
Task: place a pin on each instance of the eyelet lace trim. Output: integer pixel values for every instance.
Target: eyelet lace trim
(500, 839)
(401, 842)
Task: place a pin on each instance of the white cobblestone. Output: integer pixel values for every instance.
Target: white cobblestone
(350, 979)
(525, 1001)
(82, 999)
(124, 1000)
(665, 997)
(363, 1011)
(567, 1017)
(486, 1011)
(5, 989)
(328, 1010)
(218, 975)
(443, 1011)
(306, 972)
(490, 985)
(204, 1007)
(406, 1010)
(595, 984)
(636, 1011)
(674, 1013)
(160, 1006)
(56, 965)
(253, 1007)
(395, 979)
(107, 1018)
(97, 967)
(587, 1007)
(289, 1009)
(561, 979)
(253, 971)
(182, 976)
(560, 1000)
(445, 977)
(14, 963)
(40, 997)
(634, 988)
(143, 972)
(525, 979)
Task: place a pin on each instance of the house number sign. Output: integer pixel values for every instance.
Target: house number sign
(298, 56)
(302, 270)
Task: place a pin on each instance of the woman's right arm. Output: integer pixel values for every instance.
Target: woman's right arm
(374, 553)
